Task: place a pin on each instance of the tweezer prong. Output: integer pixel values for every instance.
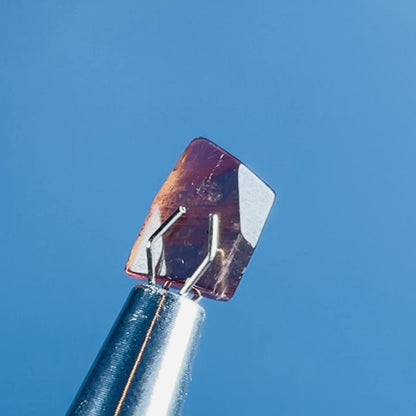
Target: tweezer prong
(151, 268)
(213, 241)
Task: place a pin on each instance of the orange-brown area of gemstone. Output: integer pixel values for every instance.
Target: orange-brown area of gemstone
(204, 181)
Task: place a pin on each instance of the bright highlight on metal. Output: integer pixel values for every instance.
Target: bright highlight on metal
(213, 239)
(144, 366)
(166, 226)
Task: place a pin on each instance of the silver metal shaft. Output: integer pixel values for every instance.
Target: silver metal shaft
(144, 366)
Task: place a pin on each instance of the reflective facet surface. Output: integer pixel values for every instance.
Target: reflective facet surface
(207, 180)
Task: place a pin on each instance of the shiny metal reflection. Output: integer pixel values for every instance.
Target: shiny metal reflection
(144, 366)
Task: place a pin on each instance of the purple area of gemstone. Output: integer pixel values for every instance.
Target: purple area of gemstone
(204, 181)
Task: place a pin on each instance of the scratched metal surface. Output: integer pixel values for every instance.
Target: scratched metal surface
(144, 366)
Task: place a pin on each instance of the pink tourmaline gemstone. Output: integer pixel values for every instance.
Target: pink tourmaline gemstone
(206, 180)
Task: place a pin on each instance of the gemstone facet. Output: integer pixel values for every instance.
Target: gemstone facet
(206, 181)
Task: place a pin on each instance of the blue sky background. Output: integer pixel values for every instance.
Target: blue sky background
(98, 99)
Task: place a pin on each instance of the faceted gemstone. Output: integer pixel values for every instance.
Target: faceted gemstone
(206, 180)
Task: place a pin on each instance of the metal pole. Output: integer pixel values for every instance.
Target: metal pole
(144, 366)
